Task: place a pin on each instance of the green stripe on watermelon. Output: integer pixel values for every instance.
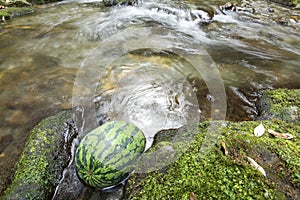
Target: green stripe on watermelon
(121, 144)
(106, 155)
(99, 137)
(127, 143)
(105, 140)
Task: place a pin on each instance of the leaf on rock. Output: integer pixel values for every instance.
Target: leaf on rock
(193, 196)
(224, 149)
(286, 136)
(257, 166)
(259, 130)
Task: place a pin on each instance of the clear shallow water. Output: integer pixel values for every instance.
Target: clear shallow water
(160, 98)
(43, 55)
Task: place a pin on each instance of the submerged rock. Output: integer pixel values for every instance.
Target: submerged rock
(43, 159)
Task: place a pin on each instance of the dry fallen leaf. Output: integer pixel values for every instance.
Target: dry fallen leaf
(259, 130)
(257, 166)
(193, 196)
(223, 144)
(286, 136)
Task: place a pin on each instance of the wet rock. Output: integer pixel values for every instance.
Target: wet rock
(34, 2)
(10, 12)
(228, 6)
(45, 155)
(271, 10)
(70, 187)
(119, 2)
(116, 193)
(15, 8)
(262, 12)
(233, 6)
(286, 2)
(219, 176)
(157, 157)
(281, 104)
(17, 3)
(245, 9)
(282, 21)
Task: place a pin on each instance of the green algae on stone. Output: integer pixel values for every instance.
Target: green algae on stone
(34, 2)
(15, 8)
(280, 157)
(167, 146)
(15, 3)
(286, 2)
(216, 176)
(10, 12)
(41, 164)
(281, 104)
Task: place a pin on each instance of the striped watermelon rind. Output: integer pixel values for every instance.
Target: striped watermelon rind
(106, 155)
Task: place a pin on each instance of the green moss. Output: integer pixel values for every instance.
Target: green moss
(266, 148)
(40, 166)
(216, 176)
(10, 12)
(286, 2)
(42, 1)
(16, 8)
(280, 104)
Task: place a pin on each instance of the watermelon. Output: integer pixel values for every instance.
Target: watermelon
(106, 155)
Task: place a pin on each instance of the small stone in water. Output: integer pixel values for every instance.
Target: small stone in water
(270, 9)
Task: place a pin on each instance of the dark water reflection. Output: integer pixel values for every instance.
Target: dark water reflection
(40, 55)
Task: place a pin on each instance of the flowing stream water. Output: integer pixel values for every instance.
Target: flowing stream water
(159, 64)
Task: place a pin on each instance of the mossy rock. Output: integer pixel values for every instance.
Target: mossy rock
(15, 3)
(44, 157)
(216, 176)
(286, 2)
(34, 2)
(11, 12)
(16, 8)
(281, 104)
